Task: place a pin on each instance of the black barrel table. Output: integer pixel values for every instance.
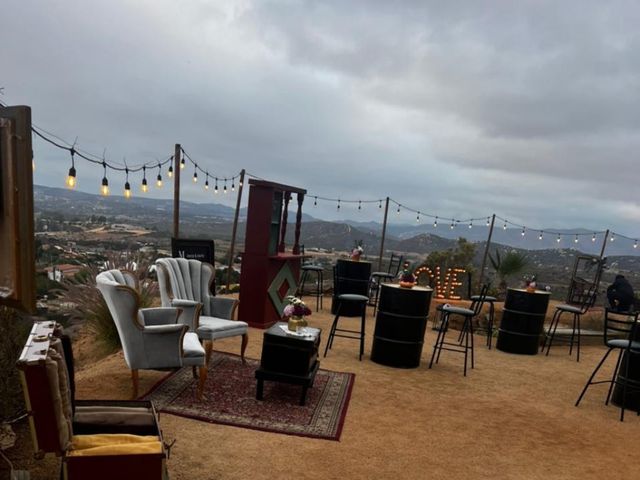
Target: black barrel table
(400, 325)
(522, 321)
(350, 277)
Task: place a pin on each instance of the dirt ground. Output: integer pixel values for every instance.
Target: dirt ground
(512, 417)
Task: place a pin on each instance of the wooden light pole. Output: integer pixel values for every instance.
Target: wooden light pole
(235, 229)
(384, 233)
(604, 244)
(176, 190)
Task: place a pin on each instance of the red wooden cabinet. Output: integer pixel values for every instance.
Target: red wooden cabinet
(270, 271)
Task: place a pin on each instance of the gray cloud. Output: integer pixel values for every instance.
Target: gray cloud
(528, 109)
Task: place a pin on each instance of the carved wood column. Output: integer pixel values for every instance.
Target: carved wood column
(296, 241)
(285, 215)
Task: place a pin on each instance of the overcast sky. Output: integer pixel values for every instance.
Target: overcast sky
(530, 110)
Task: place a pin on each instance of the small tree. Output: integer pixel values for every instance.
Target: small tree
(511, 263)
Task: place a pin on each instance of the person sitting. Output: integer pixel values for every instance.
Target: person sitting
(620, 294)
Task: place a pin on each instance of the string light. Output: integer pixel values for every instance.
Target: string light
(315, 201)
(613, 237)
(379, 203)
(71, 177)
(540, 236)
(635, 244)
(233, 185)
(470, 223)
(239, 183)
(418, 217)
(104, 189)
(159, 178)
(435, 222)
(206, 182)
(144, 187)
(523, 231)
(558, 239)
(225, 186)
(127, 186)
(488, 222)
(504, 227)
(182, 164)
(452, 225)
(215, 188)
(593, 239)
(195, 174)
(170, 171)
(398, 211)
(338, 205)
(575, 240)
(359, 205)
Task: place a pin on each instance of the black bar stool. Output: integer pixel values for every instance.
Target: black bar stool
(465, 341)
(355, 303)
(492, 310)
(306, 271)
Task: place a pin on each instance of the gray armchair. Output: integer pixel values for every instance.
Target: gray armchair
(186, 284)
(152, 338)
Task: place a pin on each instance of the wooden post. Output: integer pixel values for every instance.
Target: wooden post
(235, 229)
(486, 250)
(285, 219)
(176, 191)
(296, 239)
(384, 233)
(604, 244)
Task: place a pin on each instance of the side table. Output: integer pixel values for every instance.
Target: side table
(522, 321)
(288, 358)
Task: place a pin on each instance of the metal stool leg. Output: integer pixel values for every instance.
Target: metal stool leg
(362, 329)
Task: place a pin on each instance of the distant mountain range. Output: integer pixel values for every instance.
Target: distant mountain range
(214, 220)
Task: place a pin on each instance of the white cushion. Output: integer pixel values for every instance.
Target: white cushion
(211, 328)
(191, 346)
(569, 308)
(458, 310)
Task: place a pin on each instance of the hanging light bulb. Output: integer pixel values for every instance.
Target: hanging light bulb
(104, 189)
(338, 208)
(504, 227)
(435, 222)
(398, 211)
(379, 203)
(215, 188)
(470, 223)
(315, 201)
(635, 244)
(593, 239)
(206, 182)
(613, 237)
(225, 186)
(71, 177)
(540, 236)
(182, 164)
(170, 171)
(488, 222)
(575, 240)
(233, 185)
(195, 175)
(127, 186)
(523, 231)
(359, 205)
(159, 178)
(558, 239)
(240, 182)
(418, 217)
(452, 225)
(144, 187)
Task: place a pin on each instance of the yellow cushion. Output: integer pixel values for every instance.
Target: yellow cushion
(114, 444)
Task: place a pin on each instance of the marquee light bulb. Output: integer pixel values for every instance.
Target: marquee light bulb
(71, 178)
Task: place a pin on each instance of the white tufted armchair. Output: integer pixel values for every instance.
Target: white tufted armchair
(186, 284)
(152, 338)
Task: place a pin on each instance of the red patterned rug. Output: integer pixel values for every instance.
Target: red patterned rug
(230, 399)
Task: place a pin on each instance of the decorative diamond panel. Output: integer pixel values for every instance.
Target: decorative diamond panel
(283, 285)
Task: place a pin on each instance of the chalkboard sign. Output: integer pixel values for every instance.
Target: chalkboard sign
(191, 249)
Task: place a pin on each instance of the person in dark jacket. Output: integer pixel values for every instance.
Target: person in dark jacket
(620, 294)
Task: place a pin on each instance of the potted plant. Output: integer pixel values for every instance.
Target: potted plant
(407, 278)
(295, 311)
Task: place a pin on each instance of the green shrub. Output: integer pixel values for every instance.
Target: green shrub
(14, 330)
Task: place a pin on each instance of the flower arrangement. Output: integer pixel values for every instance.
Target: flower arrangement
(407, 278)
(530, 283)
(296, 307)
(357, 251)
